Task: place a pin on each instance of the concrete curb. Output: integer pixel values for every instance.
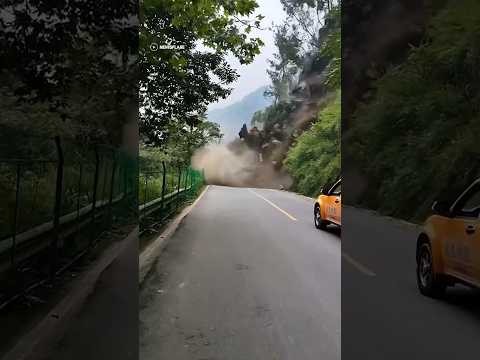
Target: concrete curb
(150, 254)
(38, 343)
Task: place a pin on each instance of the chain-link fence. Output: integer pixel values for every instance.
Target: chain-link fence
(56, 201)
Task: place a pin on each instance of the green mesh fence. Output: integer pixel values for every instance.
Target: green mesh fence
(59, 200)
(162, 192)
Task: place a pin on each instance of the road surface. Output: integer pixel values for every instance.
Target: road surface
(246, 276)
(383, 314)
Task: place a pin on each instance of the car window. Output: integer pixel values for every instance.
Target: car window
(473, 202)
(337, 189)
(469, 205)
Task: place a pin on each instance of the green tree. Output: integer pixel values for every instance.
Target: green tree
(332, 47)
(68, 67)
(416, 139)
(285, 63)
(310, 34)
(178, 83)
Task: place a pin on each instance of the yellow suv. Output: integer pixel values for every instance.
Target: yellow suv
(448, 249)
(328, 207)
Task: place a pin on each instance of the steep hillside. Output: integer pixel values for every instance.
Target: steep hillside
(313, 159)
(299, 134)
(416, 139)
(294, 142)
(232, 117)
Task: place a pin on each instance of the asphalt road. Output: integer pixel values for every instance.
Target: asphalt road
(383, 314)
(246, 276)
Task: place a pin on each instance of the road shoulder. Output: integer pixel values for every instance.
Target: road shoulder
(40, 340)
(396, 221)
(151, 252)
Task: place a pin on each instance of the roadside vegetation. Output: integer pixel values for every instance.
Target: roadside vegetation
(67, 155)
(416, 137)
(305, 86)
(314, 159)
(75, 92)
(178, 79)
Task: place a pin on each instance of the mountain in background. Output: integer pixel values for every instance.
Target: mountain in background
(232, 117)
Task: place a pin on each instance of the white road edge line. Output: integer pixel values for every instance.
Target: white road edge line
(291, 217)
(358, 266)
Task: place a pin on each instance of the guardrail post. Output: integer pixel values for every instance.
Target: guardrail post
(112, 186)
(94, 200)
(15, 216)
(191, 180)
(178, 186)
(185, 184)
(164, 183)
(119, 170)
(145, 192)
(57, 209)
(79, 193)
(125, 180)
(105, 176)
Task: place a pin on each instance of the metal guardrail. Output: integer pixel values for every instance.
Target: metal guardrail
(46, 227)
(39, 240)
(158, 203)
(40, 199)
(71, 218)
(172, 187)
(68, 189)
(113, 184)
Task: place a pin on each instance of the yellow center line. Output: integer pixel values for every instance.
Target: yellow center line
(358, 266)
(275, 206)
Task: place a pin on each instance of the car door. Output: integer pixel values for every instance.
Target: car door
(335, 203)
(475, 251)
(462, 243)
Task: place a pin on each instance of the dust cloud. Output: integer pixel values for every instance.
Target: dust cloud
(235, 164)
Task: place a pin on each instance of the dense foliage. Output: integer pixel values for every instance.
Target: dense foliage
(180, 146)
(68, 67)
(417, 139)
(305, 76)
(314, 160)
(182, 60)
(307, 41)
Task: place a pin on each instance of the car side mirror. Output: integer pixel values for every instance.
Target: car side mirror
(441, 208)
(323, 191)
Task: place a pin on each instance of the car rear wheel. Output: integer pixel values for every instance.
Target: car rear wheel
(429, 283)
(317, 217)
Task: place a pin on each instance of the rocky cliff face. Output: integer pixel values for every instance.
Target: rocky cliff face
(307, 94)
(375, 34)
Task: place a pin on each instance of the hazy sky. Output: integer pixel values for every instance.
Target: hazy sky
(254, 75)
